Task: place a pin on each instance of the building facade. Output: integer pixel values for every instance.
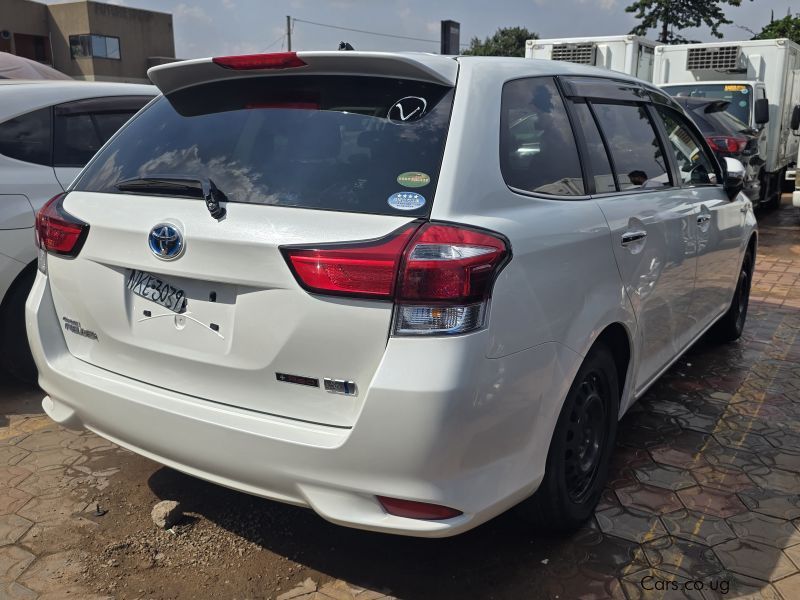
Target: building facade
(88, 40)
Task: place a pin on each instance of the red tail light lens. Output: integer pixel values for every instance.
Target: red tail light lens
(417, 510)
(449, 264)
(441, 276)
(57, 231)
(246, 62)
(726, 143)
(367, 269)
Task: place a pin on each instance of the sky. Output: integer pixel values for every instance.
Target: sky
(220, 27)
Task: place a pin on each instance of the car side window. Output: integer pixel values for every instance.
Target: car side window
(636, 153)
(598, 165)
(78, 136)
(538, 152)
(695, 166)
(27, 137)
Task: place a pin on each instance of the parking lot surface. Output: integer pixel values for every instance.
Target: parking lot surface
(703, 500)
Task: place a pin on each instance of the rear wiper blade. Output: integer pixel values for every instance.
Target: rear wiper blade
(202, 187)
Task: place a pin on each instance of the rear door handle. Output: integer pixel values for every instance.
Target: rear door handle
(631, 237)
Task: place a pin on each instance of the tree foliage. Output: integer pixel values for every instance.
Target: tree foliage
(672, 16)
(787, 27)
(507, 41)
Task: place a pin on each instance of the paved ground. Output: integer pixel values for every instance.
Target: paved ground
(704, 494)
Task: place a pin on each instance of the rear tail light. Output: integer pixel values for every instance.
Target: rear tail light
(57, 231)
(246, 62)
(417, 510)
(440, 276)
(727, 143)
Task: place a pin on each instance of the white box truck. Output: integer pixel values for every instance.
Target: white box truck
(761, 81)
(628, 54)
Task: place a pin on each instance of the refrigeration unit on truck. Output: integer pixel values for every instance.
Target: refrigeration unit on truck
(628, 54)
(760, 79)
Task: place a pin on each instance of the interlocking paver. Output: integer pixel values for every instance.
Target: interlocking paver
(711, 501)
(755, 560)
(12, 499)
(13, 561)
(682, 558)
(697, 527)
(630, 524)
(648, 498)
(12, 527)
(789, 588)
(764, 529)
(664, 476)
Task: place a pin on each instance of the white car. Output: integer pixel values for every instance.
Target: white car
(408, 291)
(48, 131)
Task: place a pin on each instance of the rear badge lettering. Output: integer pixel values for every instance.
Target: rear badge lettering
(340, 386)
(406, 201)
(298, 379)
(413, 179)
(75, 327)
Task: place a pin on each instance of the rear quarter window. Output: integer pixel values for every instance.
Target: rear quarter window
(28, 137)
(344, 143)
(538, 152)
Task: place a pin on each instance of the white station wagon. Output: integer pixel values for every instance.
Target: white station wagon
(407, 291)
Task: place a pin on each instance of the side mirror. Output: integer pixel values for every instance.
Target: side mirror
(762, 111)
(794, 124)
(733, 171)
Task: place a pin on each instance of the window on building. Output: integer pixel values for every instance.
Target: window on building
(94, 46)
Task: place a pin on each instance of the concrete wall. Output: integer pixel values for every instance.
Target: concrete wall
(142, 34)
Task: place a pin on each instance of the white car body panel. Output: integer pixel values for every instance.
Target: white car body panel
(462, 421)
(34, 183)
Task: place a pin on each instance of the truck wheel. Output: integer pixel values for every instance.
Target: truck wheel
(729, 328)
(773, 183)
(15, 354)
(577, 462)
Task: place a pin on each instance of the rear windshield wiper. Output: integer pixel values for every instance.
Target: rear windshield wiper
(194, 187)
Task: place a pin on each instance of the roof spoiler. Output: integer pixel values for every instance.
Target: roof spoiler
(433, 68)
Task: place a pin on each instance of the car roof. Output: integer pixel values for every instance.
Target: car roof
(18, 96)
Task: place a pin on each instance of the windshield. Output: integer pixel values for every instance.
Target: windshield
(739, 95)
(345, 143)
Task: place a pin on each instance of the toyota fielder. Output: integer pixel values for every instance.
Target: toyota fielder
(408, 291)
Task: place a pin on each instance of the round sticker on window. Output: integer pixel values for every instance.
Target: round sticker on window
(413, 179)
(406, 201)
(744, 90)
(743, 103)
(407, 110)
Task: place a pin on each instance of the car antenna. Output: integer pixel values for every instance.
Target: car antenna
(345, 46)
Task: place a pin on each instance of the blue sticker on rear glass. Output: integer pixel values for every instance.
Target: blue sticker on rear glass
(406, 201)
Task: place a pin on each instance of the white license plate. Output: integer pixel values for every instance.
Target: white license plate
(157, 290)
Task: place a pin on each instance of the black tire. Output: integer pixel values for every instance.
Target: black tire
(577, 465)
(772, 184)
(15, 353)
(729, 328)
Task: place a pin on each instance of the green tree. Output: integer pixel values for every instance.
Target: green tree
(671, 16)
(787, 27)
(507, 41)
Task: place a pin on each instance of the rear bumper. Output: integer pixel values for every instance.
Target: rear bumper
(464, 431)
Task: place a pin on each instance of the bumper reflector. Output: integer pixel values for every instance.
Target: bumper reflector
(417, 510)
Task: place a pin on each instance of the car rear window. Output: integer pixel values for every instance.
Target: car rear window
(345, 143)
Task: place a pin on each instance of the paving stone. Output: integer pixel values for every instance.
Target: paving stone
(782, 459)
(15, 591)
(12, 527)
(794, 554)
(755, 560)
(664, 476)
(648, 499)
(764, 529)
(772, 503)
(13, 561)
(682, 558)
(727, 585)
(778, 479)
(11, 455)
(12, 476)
(723, 478)
(50, 458)
(51, 573)
(51, 508)
(12, 499)
(711, 501)
(48, 440)
(789, 588)
(697, 527)
(630, 524)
